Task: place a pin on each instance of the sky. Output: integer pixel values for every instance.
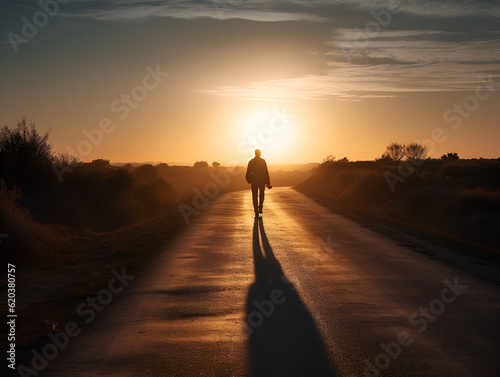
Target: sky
(184, 81)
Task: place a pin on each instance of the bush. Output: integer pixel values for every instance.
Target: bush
(460, 198)
(27, 239)
(450, 156)
(96, 195)
(201, 165)
(416, 152)
(394, 152)
(100, 196)
(25, 157)
(146, 173)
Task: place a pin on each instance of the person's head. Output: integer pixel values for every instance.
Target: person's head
(257, 153)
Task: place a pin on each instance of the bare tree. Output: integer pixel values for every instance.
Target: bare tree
(65, 159)
(394, 152)
(415, 151)
(329, 158)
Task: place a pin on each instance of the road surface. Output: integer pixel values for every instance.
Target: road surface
(300, 292)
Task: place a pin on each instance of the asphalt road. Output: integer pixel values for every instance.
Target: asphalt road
(299, 292)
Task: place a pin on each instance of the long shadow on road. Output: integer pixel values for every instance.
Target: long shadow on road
(284, 340)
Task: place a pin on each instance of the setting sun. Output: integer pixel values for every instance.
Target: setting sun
(271, 129)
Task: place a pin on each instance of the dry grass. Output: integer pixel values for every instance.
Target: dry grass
(457, 202)
(28, 239)
(49, 294)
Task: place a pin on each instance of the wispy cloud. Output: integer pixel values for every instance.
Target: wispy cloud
(433, 8)
(415, 46)
(125, 10)
(259, 10)
(353, 82)
(391, 63)
(458, 43)
(313, 87)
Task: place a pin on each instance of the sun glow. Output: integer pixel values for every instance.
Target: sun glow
(272, 130)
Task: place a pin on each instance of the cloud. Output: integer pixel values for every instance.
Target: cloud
(424, 45)
(127, 10)
(311, 87)
(452, 9)
(390, 63)
(428, 8)
(417, 46)
(351, 82)
(291, 10)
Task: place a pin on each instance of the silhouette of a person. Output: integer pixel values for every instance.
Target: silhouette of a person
(258, 177)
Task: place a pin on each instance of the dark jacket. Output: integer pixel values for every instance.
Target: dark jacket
(257, 172)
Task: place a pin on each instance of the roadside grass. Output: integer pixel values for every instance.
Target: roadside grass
(48, 294)
(379, 218)
(452, 205)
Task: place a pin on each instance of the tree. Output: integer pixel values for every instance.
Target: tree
(100, 164)
(200, 165)
(25, 155)
(450, 156)
(65, 159)
(394, 152)
(129, 167)
(384, 157)
(416, 151)
(329, 158)
(146, 173)
(215, 164)
(63, 163)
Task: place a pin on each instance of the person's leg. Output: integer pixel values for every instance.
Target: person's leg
(262, 190)
(255, 188)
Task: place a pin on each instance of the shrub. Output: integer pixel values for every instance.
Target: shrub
(450, 156)
(394, 152)
(146, 173)
(25, 157)
(27, 239)
(460, 199)
(201, 165)
(415, 151)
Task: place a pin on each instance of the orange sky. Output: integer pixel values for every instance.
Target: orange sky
(180, 85)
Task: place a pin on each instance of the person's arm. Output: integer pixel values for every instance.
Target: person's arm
(248, 176)
(268, 180)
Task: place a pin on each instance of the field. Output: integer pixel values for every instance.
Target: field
(453, 201)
